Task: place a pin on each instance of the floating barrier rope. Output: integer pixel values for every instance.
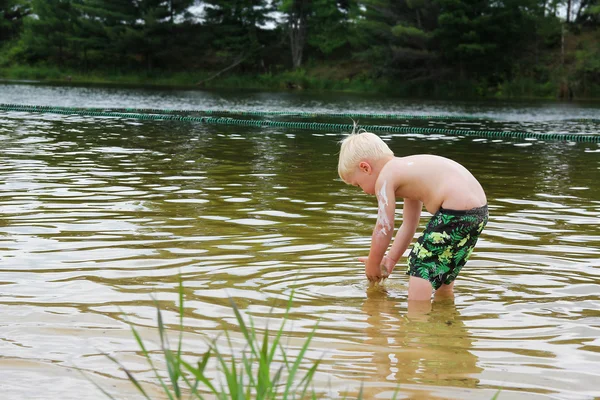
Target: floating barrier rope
(256, 113)
(315, 126)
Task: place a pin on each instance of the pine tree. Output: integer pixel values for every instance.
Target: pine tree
(131, 31)
(397, 36)
(237, 24)
(49, 35)
(12, 13)
(484, 38)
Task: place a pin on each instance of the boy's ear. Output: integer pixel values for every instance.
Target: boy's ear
(365, 167)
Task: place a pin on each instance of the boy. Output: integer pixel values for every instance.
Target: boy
(446, 189)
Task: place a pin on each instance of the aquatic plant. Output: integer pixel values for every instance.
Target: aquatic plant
(257, 373)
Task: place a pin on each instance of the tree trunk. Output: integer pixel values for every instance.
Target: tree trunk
(582, 6)
(544, 8)
(297, 28)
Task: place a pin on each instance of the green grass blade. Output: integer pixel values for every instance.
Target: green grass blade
(234, 389)
(140, 342)
(199, 374)
(308, 378)
(110, 396)
(247, 334)
(396, 393)
(274, 346)
(296, 365)
(273, 389)
(181, 308)
(248, 364)
(129, 375)
(280, 332)
(172, 367)
(360, 393)
(240, 387)
(285, 359)
(264, 379)
(230, 376)
(497, 394)
(193, 387)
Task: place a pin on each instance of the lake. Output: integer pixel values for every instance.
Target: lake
(99, 215)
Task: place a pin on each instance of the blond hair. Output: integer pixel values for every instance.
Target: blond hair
(360, 146)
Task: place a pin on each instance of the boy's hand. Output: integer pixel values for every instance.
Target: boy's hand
(388, 263)
(386, 268)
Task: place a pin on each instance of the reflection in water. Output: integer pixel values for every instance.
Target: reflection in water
(98, 214)
(415, 350)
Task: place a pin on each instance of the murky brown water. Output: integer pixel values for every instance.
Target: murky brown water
(99, 214)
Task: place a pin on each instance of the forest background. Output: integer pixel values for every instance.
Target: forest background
(441, 48)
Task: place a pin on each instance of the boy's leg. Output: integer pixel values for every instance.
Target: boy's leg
(445, 291)
(419, 289)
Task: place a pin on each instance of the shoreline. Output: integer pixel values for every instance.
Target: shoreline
(270, 83)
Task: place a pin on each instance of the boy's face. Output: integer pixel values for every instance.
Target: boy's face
(364, 178)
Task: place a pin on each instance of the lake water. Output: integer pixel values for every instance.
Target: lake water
(98, 215)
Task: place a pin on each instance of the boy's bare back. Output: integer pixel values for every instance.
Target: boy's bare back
(436, 181)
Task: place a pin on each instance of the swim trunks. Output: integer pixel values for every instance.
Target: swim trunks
(446, 244)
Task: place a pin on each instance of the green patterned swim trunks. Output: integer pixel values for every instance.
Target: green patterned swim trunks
(446, 244)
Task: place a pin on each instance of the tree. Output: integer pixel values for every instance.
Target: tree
(331, 25)
(12, 13)
(297, 15)
(130, 31)
(485, 38)
(588, 13)
(107, 29)
(48, 35)
(397, 38)
(323, 24)
(237, 24)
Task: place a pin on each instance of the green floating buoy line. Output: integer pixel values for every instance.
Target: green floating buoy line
(315, 126)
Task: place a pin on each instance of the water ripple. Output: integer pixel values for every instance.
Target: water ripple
(98, 215)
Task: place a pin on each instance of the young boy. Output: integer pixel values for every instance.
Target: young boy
(446, 189)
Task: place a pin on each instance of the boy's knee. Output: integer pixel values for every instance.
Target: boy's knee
(419, 288)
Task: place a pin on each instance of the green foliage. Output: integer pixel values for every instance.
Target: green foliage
(12, 14)
(410, 32)
(263, 371)
(512, 48)
(588, 58)
(331, 28)
(481, 37)
(49, 36)
(237, 25)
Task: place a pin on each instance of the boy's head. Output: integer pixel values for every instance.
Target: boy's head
(357, 147)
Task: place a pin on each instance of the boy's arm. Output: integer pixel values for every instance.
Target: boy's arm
(411, 212)
(384, 228)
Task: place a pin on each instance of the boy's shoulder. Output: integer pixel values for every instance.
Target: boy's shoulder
(393, 171)
(400, 169)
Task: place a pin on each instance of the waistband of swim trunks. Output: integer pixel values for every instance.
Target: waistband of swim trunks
(473, 211)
